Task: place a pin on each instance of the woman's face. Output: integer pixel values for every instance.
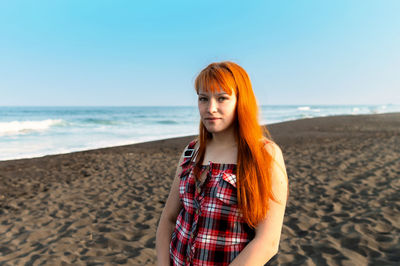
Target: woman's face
(217, 110)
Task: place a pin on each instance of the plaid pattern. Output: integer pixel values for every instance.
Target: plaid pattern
(209, 228)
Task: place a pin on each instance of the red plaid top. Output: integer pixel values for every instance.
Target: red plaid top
(209, 228)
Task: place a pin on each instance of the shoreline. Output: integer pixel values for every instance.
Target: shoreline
(178, 137)
(102, 206)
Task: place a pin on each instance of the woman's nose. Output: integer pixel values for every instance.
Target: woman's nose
(212, 106)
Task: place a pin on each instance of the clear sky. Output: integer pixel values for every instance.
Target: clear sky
(113, 53)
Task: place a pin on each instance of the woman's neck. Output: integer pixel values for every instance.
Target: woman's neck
(225, 138)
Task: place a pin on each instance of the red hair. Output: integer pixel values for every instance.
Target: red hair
(253, 162)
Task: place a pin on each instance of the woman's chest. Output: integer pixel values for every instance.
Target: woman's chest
(213, 193)
(222, 155)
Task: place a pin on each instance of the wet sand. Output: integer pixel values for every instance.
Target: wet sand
(101, 207)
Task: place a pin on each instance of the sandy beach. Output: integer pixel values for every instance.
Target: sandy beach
(101, 207)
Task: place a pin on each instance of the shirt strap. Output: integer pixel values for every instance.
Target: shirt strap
(189, 153)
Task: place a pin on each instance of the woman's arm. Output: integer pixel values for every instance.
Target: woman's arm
(268, 232)
(168, 219)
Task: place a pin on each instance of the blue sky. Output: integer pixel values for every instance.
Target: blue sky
(113, 53)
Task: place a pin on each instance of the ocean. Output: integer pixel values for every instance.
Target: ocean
(27, 132)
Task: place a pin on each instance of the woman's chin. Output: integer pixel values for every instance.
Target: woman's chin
(212, 129)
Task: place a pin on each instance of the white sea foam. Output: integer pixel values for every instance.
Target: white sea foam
(25, 127)
(303, 108)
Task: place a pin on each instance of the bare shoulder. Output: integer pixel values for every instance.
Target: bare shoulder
(279, 176)
(272, 148)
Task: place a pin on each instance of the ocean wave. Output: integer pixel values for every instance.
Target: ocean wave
(26, 127)
(100, 121)
(167, 122)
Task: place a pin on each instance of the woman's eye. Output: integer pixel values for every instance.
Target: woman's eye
(222, 99)
(201, 99)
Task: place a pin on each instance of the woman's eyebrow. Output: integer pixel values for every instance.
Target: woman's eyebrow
(219, 94)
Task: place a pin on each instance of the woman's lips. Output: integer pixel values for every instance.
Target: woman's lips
(212, 120)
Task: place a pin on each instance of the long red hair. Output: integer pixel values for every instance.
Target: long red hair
(253, 176)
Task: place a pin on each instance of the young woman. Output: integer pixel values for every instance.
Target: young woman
(228, 198)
